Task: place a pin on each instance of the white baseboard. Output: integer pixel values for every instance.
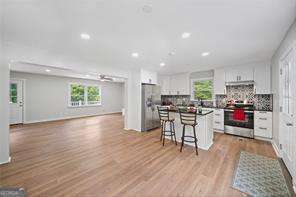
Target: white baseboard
(5, 162)
(67, 118)
(218, 131)
(276, 148)
(263, 138)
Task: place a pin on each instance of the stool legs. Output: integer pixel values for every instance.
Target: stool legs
(171, 131)
(182, 138)
(174, 133)
(195, 141)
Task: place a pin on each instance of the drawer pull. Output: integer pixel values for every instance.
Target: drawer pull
(217, 114)
(262, 118)
(262, 112)
(263, 128)
(217, 122)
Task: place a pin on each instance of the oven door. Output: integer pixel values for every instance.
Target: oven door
(243, 128)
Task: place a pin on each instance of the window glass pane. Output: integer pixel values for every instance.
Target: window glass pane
(13, 93)
(93, 95)
(77, 95)
(203, 90)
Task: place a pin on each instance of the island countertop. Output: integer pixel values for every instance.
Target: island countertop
(204, 112)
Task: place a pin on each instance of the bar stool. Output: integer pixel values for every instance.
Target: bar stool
(188, 119)
(164, 117)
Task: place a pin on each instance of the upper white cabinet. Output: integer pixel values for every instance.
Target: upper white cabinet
(174, 84)
(219, 81)
(262, 79)
(149, 77)
(164, 82)
(180, 84)
(239, 74)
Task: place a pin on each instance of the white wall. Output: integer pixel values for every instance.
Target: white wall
(46, 97)
(4, 113)
(288, 40)
(134, 101)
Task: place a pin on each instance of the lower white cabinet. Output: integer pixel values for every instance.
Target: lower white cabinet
(263, 124)
(218, 119)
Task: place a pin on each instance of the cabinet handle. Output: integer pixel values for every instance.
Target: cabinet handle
(262, 112)
(263, 128)
(217, 122)
(217, 114)
(262, 118)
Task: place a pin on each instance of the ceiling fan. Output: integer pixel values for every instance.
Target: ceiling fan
(105, 78)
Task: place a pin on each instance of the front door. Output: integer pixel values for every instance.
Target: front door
(16, 101)
(287, 109)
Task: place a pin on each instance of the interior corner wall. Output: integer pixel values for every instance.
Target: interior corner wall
(134, 101)
(285, 44)
(46, 98)
(4, 113)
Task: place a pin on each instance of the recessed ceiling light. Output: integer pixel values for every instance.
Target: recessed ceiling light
(172, 53)
(147, 8)
(47, 70)
(85, 36)
(162, 64)
(186, 35)
(204, 54)
(135, 55)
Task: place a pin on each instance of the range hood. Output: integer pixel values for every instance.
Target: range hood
(237, 83)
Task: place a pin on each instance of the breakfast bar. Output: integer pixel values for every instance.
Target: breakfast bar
(204, 128)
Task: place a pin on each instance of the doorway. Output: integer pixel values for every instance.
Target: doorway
(16, 101)
(287, 95)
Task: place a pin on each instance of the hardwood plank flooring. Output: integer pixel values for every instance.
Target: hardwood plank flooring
(94, 156)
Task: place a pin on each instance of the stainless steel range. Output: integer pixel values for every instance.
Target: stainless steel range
(239, 119)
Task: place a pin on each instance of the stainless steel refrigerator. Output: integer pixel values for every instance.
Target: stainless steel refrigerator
(151, 98)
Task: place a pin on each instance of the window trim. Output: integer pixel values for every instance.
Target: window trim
(200, 79)
(86, 85)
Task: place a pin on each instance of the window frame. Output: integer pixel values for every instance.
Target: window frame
(201, 79)
(85, 85)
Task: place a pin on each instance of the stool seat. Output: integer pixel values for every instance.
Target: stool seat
(168, 119)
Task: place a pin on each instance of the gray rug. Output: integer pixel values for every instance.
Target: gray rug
(260, 176)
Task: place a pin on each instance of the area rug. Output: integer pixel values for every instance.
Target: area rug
(257, 175)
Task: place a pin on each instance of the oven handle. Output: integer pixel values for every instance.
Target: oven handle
(231, 110)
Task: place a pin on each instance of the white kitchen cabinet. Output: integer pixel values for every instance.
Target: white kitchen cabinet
(179, 84)
(174, 84)
(239, 74)
(149, 77)
(218, 120)
(263, 124)
(164, 82)
(219, 81)
(262, 77)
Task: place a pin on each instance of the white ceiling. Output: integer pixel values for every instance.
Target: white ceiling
(233, 31)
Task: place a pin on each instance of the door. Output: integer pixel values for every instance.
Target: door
(287, 110)
(16, 101)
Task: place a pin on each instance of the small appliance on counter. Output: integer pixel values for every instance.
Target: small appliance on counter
(239, 118)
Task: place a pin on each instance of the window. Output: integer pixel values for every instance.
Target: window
(202, 89)
(13, 93)
(84, 95)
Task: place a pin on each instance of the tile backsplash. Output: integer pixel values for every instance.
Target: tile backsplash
(245, 92)
(242, 92)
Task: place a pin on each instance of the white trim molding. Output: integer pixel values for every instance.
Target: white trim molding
(5, 162)
(276, 148)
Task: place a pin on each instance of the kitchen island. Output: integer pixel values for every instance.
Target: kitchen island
(204, 128)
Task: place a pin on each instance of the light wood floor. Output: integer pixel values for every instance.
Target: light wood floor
(96, 157)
